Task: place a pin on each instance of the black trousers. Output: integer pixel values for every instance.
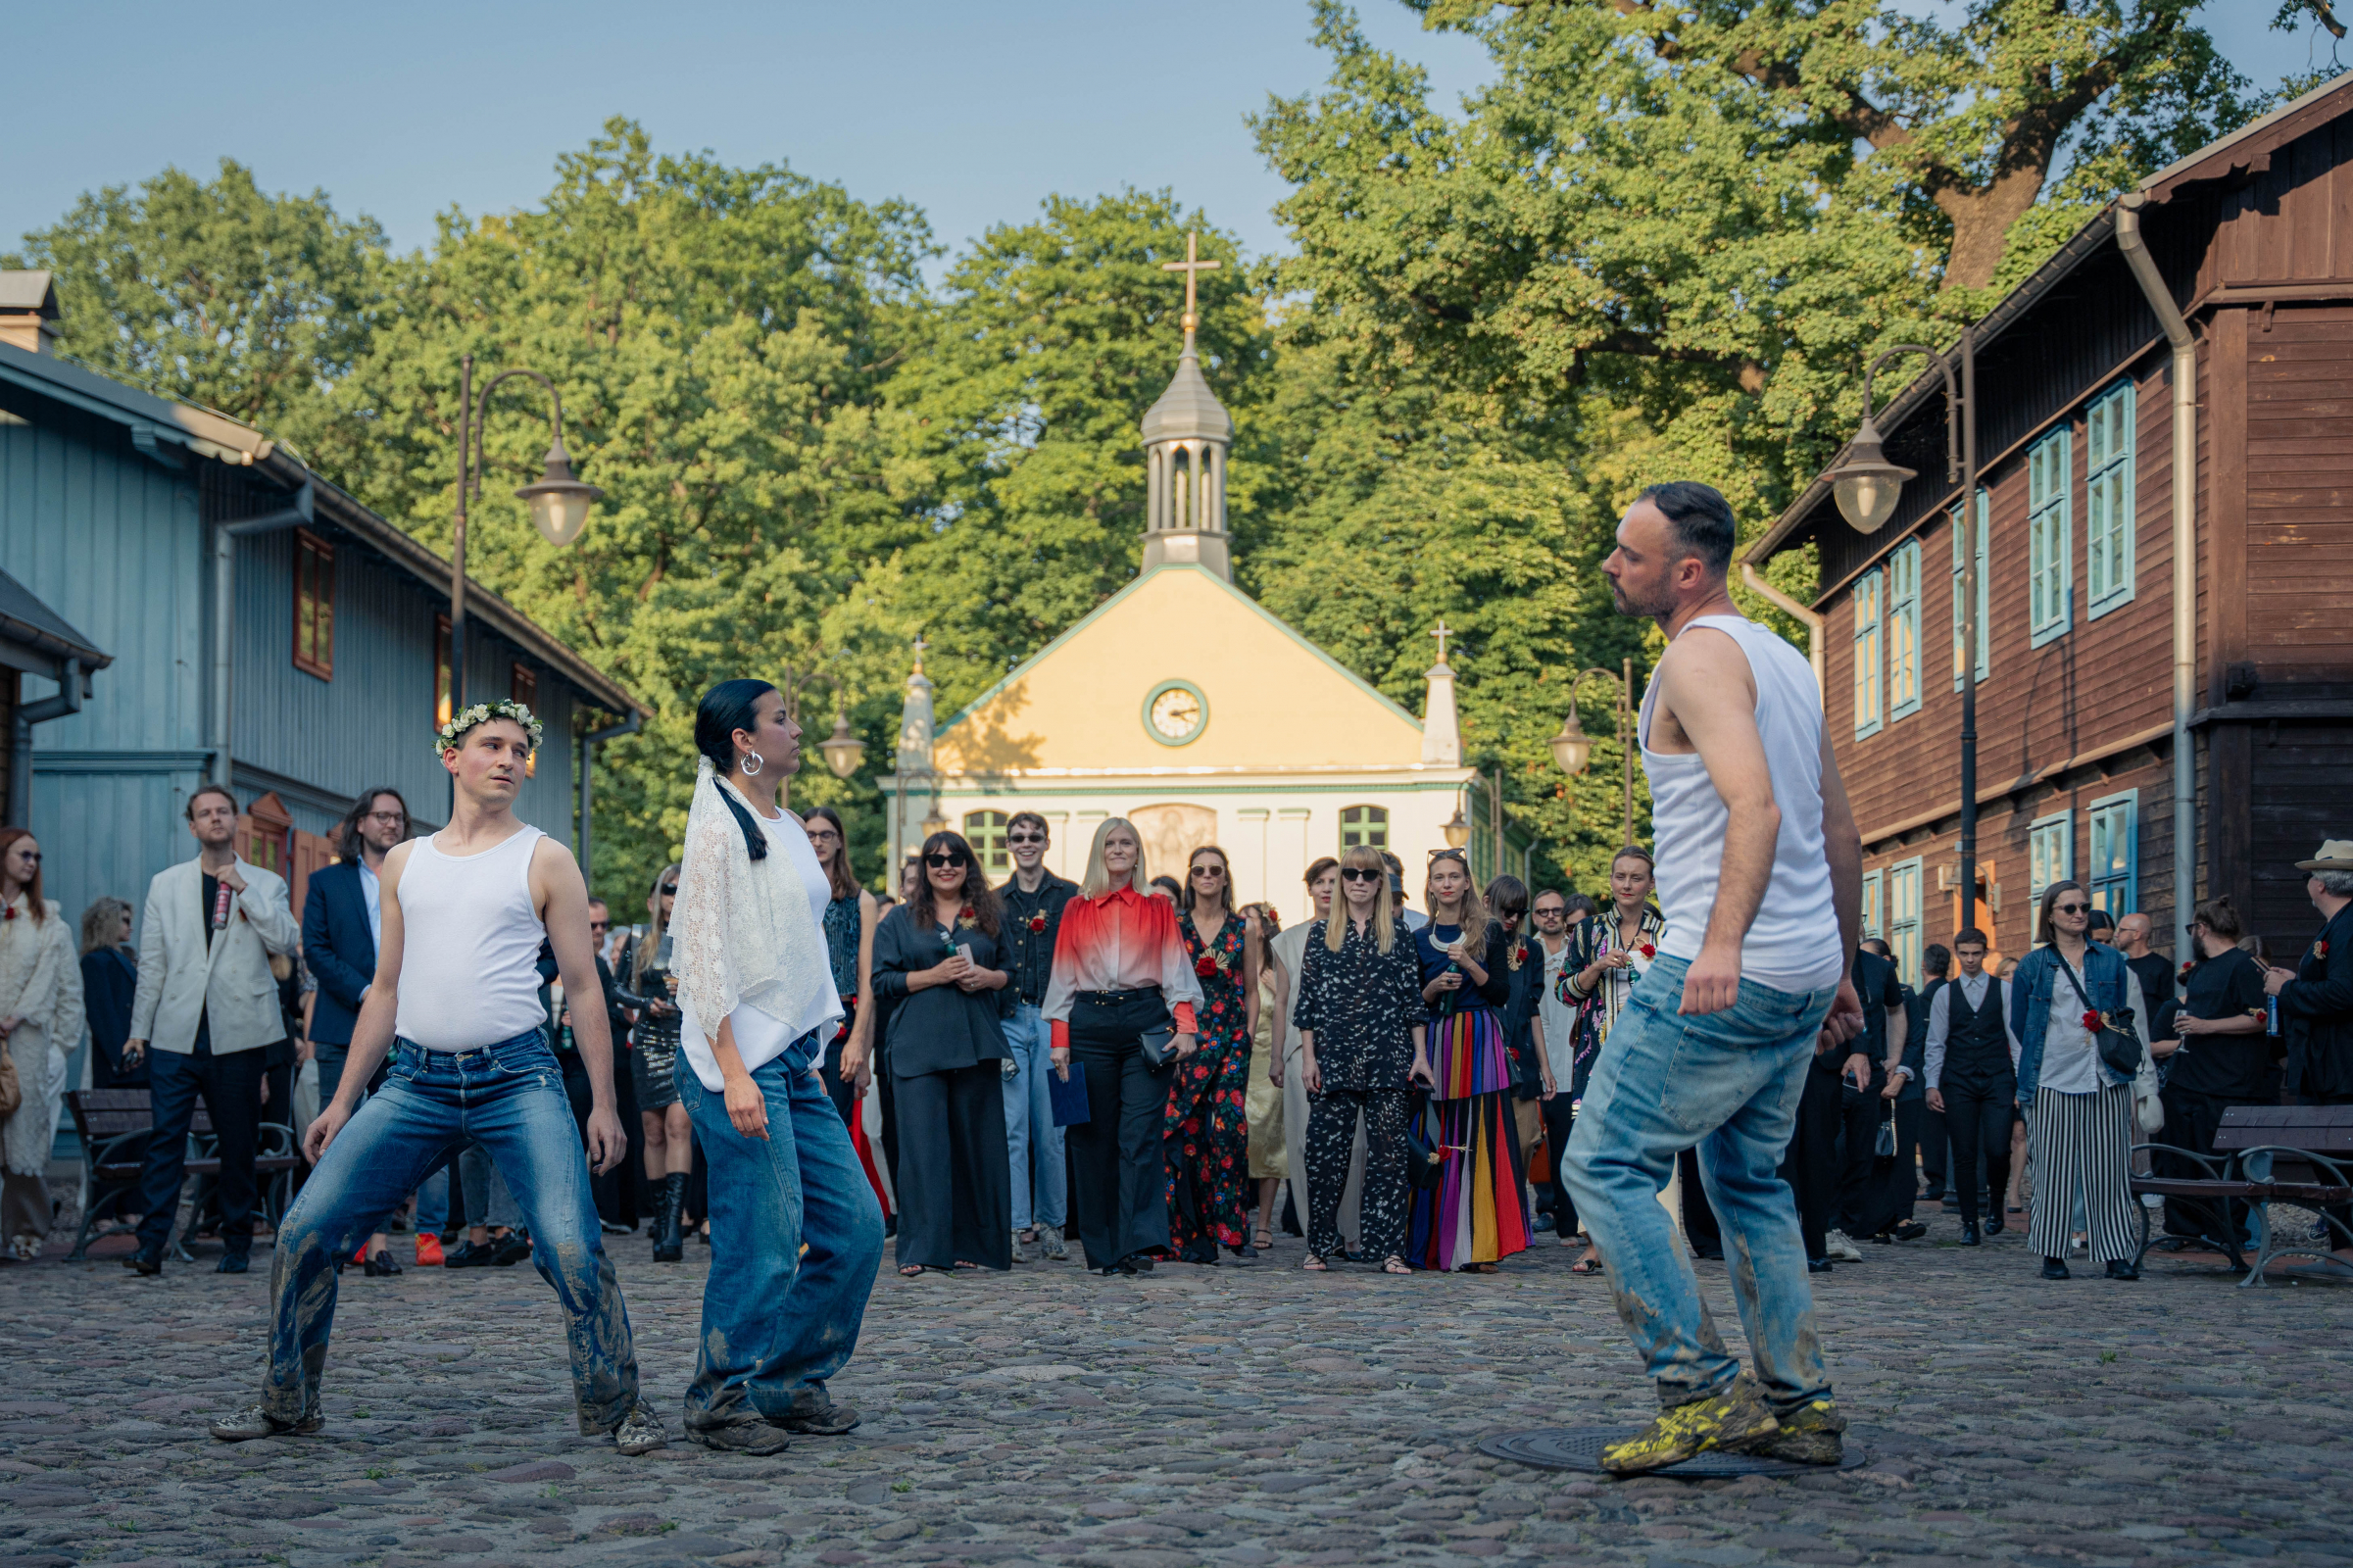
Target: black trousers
(605, 1189)
(2191, 1120)
(837, 1088)
(1860, 1112)
(2342, 1215)
(232, 1086)
(1897, 1181)
(1560, 1116)
(956, 1180)
(1811, 1165)
(1698, 1214)
(1935, 1151)
(1117, 1178)
(1332, 1144)
(1977, 1116)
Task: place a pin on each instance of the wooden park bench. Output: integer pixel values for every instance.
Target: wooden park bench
(2301, 1154)
(115, 1123)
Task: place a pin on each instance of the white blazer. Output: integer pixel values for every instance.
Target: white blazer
(230, 982)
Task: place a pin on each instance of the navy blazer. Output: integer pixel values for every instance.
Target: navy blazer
(339, 947)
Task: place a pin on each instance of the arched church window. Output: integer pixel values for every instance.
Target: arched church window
(1366, 825)
(985, 832)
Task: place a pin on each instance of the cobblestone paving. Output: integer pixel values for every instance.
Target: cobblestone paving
(1243, 1415)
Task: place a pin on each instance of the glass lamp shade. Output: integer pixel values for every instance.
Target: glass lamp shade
(559, 502)
(1572, 748)
(843, 750)
(1456, 830)
(1867, 485)
(934, 822)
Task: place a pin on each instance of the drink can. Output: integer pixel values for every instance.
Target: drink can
(2270, 1015)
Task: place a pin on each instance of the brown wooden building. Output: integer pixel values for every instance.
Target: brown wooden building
(2083, 622)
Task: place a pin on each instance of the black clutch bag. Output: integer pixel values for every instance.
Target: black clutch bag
(1425, 1149)
(1159, 1048)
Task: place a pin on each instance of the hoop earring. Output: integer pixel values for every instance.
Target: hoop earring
(750, 763)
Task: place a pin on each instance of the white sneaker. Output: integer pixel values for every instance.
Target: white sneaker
(1839, 1246)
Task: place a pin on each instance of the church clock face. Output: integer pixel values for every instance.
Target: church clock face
(1175, 713)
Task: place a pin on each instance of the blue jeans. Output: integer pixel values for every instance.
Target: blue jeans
(509, 1097)
(1031, 1139)
(795, 1237)
(433, 1195)
(1727, 1083)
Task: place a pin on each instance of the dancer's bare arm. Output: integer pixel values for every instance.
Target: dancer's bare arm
(561, 897)
(1711, 693)
(1842, 843)
(371, 1031)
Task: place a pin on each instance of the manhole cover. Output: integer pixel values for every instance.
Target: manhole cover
(1580, 1448)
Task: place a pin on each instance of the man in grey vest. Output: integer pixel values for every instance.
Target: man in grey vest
(1972, 1071)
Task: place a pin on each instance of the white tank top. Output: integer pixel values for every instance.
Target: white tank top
(1787, 948)
(469, 946)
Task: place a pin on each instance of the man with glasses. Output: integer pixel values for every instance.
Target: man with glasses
(1033, 914)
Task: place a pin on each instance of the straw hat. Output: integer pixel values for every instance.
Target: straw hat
(2336, 854)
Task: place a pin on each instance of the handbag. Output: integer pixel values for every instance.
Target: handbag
(1160, 1047)
(1882, 1147)
(1425, 1149)
(2118, 1047)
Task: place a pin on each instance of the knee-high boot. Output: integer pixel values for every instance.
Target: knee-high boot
(669, 1243)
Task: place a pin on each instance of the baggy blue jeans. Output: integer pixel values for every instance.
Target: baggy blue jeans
(509, 1097)
(1032, 1142)
(795, 1237)
(1728, 1084)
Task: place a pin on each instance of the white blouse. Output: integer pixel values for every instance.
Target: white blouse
(2070, 1058)
(760, 1037)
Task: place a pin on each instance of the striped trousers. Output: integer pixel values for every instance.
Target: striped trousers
(2082, 1144)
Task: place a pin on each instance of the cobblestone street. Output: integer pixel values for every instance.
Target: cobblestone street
(1243, 1415)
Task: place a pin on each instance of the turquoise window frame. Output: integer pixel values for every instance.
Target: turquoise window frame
(1870, 601)
(2110, 567)
(1874, 901)
(2050, 537)
(1903, 631)
(2111, 821)
(1906, 912)
(2050, 857)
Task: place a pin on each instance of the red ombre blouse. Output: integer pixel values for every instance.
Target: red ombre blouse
(1122, 940)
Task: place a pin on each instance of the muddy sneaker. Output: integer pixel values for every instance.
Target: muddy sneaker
(1808, 1434)
(1723, 1420)
(821, 1421)
(244, 1426)
(756, 1437)
(640, 1431)
(1025, 1249)
(1049, 1243)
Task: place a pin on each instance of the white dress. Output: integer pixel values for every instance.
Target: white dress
(40, 982)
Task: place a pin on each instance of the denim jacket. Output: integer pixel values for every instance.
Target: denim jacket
(2036, 986)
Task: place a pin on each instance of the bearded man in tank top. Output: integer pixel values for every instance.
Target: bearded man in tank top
(1757, 854)
(456, 1000)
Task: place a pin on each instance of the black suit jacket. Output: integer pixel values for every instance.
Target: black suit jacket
(2315, 1011)
(339, 947)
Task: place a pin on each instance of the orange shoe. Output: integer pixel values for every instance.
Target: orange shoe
(360, 1257)
(428, 1251)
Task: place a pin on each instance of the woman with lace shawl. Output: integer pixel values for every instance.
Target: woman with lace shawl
(794, 1234)
(40, 1021)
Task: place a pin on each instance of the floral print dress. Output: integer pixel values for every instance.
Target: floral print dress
(1205, 1129)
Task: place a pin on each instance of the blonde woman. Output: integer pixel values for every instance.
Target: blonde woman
(1120, 972)
(649, 984)
(1478, 1215)
(40, 990)
(1362, 1049)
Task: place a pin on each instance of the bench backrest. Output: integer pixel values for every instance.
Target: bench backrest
(2319, 1129)
(103, 1113)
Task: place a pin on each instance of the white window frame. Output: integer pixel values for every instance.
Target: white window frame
(1869, 603)
(2050, 857)
(2109, 561)
(1874, 901)
(1904, 631)
(2050, 537)
(2109, 814)
(1985, 591)
(1906, 916)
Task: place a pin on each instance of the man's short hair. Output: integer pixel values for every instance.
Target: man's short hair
(1971, 938)
(598, 903)
(1701, 519)
(203, 790)
(2338, 884)
(1935, 958)
(1032, 818)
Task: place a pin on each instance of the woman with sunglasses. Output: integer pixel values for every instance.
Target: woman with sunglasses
(940, 975)
(1206, 1127)
(1478, 1215)
(1120, 973)
(1362, 1049)
(647, 983)
(2078, 1108)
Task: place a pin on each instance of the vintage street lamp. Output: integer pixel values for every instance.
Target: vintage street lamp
(1456, 830)
(843, 750)
(1573, 748)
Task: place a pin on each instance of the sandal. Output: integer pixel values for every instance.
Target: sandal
(1394, 1264)
(1263, 1238)
(1315, 1265)
(911, 1272)
(1590, 1263)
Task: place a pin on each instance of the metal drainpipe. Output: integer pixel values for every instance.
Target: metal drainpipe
(1810, 619)
(2185, 542)
(68, 699)
(588, 743)
(226, 535)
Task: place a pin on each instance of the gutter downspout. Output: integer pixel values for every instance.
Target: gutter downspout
(2185, 542)
(1810, 619)
(588, 742)
(71, 684)
(226, 535)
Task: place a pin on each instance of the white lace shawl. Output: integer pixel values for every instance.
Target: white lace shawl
(741, 931)
(40, 982)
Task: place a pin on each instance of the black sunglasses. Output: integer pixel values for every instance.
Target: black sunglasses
(2070, 908)
(946, 858)
(1551, 909)
(1025, 838)
(1357, 873)
(670, 889)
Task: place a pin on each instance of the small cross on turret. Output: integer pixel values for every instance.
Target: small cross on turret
(1192, 266)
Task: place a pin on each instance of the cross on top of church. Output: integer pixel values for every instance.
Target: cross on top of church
(1192, 266)
(1442, 633)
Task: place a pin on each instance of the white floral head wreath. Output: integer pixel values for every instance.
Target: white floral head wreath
(453, 732)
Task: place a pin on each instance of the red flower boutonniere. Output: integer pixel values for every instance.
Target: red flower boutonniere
(1648, 949)
(2319, 950)
(1204, 966)
(2187, 964)
(10, 913)
(2091, 1020)
(1036, 922)
(966, 922)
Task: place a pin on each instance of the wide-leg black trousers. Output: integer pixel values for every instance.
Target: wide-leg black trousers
(1117, 1178)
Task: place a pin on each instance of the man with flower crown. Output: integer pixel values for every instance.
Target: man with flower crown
(456, 1002)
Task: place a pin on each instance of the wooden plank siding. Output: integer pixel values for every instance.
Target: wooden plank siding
(2291, 223)
(2297, 515)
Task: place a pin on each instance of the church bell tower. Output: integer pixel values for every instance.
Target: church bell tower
(1185, 435)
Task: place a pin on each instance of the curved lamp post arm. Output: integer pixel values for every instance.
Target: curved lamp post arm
(481, 416)
(473, 413)
(1952, 400)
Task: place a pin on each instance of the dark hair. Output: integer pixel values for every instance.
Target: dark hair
(725, 708)
(1019, 817)
(837, 869)
(1876, 945)
(2050, 895)
(1583, 904)
(980, 900)
(1168, 885)
(347, 831)
(1321, 865)
(2218, 916)
(1970, 937)
(1935, 958)
(203, 790)
(1225, 860)
(1504, 892)
(35, 906)
(2103, 921)
(1700, 518)
(1637, 853)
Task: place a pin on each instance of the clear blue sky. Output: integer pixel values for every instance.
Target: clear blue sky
(973, 112)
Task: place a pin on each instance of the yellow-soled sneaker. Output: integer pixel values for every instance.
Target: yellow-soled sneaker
(1738, 1415)
(1807, 1434)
